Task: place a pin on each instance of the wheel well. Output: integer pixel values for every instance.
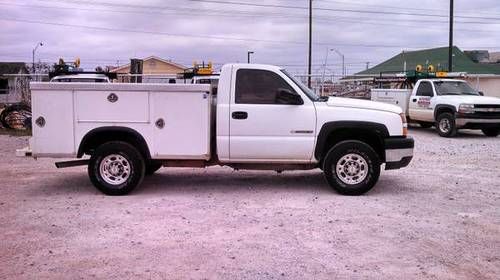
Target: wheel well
(443, 109)
(101, 135)
(370, 137)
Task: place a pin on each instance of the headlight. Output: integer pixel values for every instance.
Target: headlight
(405, 123)
(466, 108)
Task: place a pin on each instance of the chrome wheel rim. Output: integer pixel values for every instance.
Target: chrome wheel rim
(115, 169)
(444, 125)
(351, 169)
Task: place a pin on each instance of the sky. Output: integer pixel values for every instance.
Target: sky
(110, 32)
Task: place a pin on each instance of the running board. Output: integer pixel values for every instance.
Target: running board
(71, 163)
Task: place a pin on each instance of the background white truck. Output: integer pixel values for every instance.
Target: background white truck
(261, 118)
(448, 104)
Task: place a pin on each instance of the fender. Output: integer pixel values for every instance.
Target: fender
(443, 106)
(109, 133)
(330, 127)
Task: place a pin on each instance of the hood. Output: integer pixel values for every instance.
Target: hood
(363, 104)
(470, 99)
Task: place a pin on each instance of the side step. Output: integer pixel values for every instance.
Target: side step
(71, 163)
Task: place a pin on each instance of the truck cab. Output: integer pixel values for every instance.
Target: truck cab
(452, 104)
(261, 118)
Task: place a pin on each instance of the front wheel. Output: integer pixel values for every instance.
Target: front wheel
(352, 167)
(445, 125)
(491, 132)
(116, 168)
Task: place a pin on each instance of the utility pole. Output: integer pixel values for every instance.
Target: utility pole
(310, 45)
(248, 56)
(367, 65)
(450, 50)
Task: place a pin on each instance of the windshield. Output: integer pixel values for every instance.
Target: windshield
(313, 96)
(454, 88)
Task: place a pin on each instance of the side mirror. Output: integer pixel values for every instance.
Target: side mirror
(481, 93)
(286, 96)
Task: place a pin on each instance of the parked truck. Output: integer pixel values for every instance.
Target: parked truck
(261, 118)
(448, 104)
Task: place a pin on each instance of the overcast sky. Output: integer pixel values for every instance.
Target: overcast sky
(110, 32)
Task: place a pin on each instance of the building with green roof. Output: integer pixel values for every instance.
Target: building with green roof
(484, 76)
(437, 57)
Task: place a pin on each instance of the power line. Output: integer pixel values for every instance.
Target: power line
(157, 7)
(196, 36)
(364, 4)
(337, 10)
(239, 14)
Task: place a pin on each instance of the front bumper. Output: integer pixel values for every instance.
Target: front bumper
(398, 152)
(474, 123)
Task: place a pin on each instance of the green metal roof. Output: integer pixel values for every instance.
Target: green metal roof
(437, 57)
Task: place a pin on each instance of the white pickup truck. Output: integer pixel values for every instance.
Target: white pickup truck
(446, 103)
(261, 118)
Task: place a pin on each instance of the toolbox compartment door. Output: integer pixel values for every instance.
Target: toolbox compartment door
(55, 138)
(112, 106)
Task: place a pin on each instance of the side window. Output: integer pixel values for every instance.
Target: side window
(425, 89)
(259, 86)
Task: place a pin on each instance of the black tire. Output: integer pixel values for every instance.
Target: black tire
(491, 132)
(15, 116)
(448, 128)
(425, 124)
(131, 158)
(337, 178)
(152, 167)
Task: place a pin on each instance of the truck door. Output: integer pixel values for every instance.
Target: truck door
(264, 127)
(420, 103)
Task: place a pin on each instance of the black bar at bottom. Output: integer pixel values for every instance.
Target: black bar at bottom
(71, 163)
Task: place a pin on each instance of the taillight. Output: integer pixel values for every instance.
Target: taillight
(405, 123)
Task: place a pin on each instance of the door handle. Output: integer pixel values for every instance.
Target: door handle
(414, 100)
(239, 115)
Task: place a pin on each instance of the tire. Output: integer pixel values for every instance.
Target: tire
(112, 159)
(425, 124)
(446, 126)
(152, 167)
(351, 154)
(491, 132)
(16, 116)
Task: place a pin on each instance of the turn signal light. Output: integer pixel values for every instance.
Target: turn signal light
(405, 123)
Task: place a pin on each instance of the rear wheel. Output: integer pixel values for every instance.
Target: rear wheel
(352, 167)
(491, 132)
(116, 168)
(445, 125)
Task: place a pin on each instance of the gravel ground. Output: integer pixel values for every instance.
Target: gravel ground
(437, 219)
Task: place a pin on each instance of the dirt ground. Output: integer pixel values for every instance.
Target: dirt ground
(437, 219)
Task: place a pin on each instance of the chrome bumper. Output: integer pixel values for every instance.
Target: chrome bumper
(464, 121)
(398, 152)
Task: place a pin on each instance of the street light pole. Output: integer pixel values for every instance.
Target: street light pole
(310, 46)
(248, 56)
(450, 50)
(39, 44)
(324, 72)
(343, 61)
